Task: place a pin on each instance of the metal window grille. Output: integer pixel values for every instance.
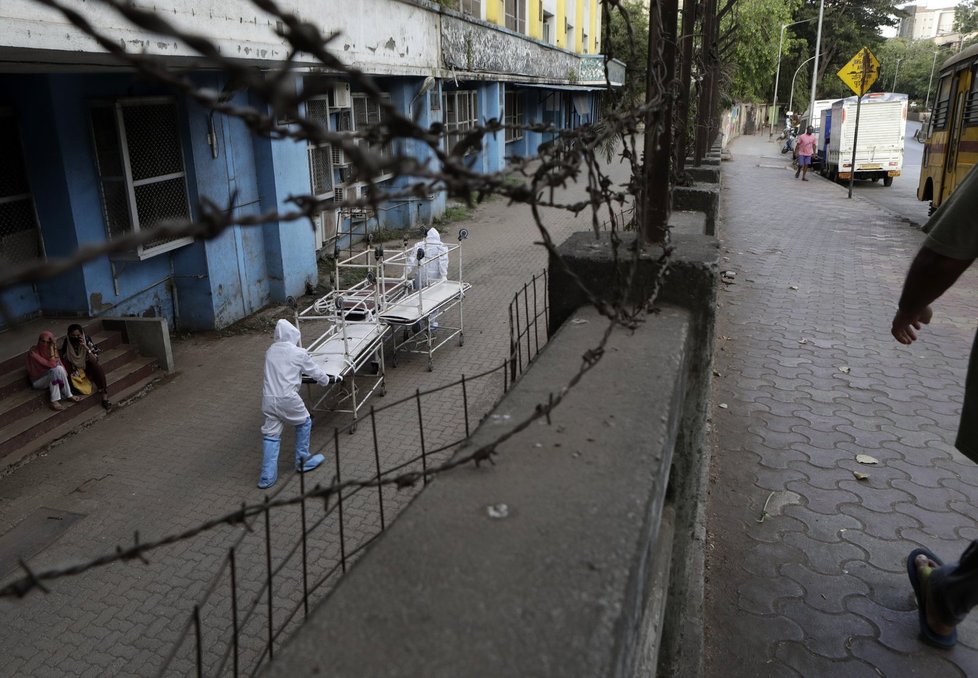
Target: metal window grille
(513, 116)
(461, 114)
(943, 103)
(971, 101)
(20, 234)
(368, 113)
(472, 7)
(141, 173)
(320, 155)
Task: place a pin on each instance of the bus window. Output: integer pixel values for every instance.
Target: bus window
(971, 102)
(942, 103)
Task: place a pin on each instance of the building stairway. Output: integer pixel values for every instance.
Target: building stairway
(27, 424)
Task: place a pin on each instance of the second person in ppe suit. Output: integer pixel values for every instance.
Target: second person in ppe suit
(285, 363)
(433, 266)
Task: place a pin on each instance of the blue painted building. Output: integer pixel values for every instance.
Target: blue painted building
(94, 152)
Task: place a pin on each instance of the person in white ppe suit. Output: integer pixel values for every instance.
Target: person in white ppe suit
(285, 364)
(433, 266)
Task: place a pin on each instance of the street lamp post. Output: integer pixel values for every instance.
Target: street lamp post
(818, 50)
(797, 70)
(895, 74)
(777, 75)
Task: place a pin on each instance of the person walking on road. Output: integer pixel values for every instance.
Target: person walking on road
(805, 149)
(285, 364)
(945, 593)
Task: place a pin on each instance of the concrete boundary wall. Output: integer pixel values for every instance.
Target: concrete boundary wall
(151, 336)
(596, 568)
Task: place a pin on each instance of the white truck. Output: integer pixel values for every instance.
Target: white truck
(879, 151)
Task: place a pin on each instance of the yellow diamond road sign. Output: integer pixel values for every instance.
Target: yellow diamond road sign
(861, 71)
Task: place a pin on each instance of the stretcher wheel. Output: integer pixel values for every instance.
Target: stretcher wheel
(431, 365)
(353, 429)
(461, 339)
(383, 388)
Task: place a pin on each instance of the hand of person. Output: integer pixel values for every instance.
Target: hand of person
(905, 324)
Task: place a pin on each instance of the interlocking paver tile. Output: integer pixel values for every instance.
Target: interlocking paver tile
(190, 451)
(926, 662)
(796, 655)
(898, 404)
(826, 635)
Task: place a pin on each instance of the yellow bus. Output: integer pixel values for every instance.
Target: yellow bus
(951, 148)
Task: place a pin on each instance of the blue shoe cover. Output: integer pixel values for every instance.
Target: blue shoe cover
(311, 463)
(269, 463)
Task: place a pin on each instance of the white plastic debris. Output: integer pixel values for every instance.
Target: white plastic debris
(497, 511)
(723, 406)
(792, 287)
(844, 369)
(866, 459)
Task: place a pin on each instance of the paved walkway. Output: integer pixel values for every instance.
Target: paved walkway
(190, 451)
(810, 378)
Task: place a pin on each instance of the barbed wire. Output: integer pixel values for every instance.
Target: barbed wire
(576, 156)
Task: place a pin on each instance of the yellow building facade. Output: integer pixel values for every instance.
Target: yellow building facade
(574, 25)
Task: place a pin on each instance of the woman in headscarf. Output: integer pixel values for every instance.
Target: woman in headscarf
(80, 355)
(45, 370)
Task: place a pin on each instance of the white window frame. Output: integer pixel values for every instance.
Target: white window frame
(118, 106)
(471, 7)
(513, 115)
(514, 15)
(456, 129)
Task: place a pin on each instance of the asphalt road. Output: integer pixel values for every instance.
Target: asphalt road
(901, 197)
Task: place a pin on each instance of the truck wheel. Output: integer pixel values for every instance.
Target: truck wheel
(887, 181)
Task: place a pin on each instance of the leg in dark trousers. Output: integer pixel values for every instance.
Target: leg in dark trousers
(955, 587)
(95, 372)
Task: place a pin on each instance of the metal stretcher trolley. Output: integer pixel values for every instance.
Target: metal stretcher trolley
(418, 319)
(350, 340)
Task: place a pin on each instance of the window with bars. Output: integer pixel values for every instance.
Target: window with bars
(516, 15)
(139, 159)
(513, 115)
(942, 103)
(971, 101)
(320, 154)
(471, 7)
(20, 235)
(368, 115)
(461, 109)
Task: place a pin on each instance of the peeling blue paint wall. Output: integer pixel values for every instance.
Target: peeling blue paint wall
(282, 169)
(230, 281)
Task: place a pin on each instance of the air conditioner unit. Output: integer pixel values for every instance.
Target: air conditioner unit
(344, 121)
(346, 174)
(340, 96)
(339, 157)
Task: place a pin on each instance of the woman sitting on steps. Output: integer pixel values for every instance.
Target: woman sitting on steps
(80, 356)
(45, 370)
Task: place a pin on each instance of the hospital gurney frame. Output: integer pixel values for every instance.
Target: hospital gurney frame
(344, 350)
(412, 316)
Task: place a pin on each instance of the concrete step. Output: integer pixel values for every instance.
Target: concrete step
(41, 426)
(13, 371)
(21, 399)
